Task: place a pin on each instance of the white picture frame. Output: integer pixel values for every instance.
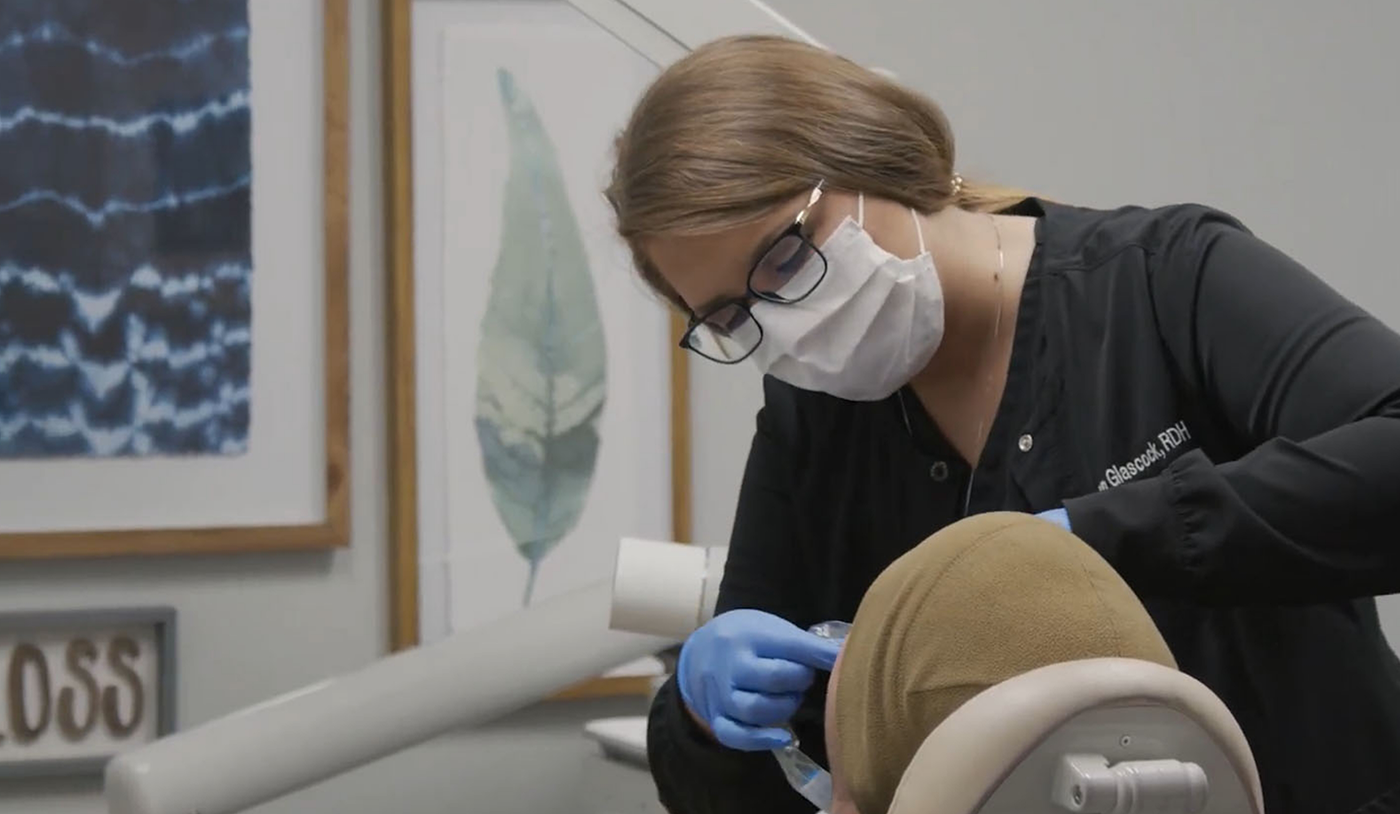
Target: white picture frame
(286, 485)
(652, 33)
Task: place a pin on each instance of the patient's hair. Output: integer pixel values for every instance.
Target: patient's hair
(743, 124)
(982, 601)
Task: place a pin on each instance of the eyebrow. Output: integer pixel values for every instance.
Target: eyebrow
(763, 246)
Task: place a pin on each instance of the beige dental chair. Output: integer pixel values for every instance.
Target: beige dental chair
(1086, 736)
(1095, 736)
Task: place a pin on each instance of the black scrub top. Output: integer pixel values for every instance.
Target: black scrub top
(1221, 425)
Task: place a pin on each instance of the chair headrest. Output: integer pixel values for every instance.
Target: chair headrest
(1027, 724)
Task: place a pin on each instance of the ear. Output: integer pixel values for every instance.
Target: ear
(841, 802)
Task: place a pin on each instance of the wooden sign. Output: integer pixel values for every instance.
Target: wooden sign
(77, 687)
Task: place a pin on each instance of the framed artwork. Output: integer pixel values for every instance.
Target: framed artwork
(174, 365)
(82, 686)
(539, 399)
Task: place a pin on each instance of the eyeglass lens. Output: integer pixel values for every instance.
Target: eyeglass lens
(727, 334)
(787, 272)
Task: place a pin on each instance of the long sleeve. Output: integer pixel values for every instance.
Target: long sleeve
(1308, 383)
(693, 773)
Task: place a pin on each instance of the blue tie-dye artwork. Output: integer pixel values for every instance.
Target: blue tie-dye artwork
(125, 236)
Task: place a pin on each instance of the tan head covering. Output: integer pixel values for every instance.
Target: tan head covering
(981, 601)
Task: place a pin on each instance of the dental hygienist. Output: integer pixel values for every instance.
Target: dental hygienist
(1219, 424)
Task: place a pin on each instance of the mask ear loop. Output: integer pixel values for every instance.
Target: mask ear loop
(918, 224)
(918, 228)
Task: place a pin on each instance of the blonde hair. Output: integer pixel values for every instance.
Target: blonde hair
(743, 124)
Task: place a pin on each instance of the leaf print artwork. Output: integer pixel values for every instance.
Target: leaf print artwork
(541, 381)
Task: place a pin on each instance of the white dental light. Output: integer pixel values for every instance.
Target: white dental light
(664, 589)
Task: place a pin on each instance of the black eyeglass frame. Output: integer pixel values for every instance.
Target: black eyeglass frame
(743, 301)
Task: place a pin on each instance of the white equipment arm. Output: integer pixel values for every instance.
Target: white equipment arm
(317, 732)
(304, 737)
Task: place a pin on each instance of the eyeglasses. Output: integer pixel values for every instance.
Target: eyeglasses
(788, 271)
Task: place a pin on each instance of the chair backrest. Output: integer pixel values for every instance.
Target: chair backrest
(1003, 750)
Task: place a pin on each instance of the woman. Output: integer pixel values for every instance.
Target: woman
(1222, 427)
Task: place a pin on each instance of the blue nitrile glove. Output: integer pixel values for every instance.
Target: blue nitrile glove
(1059, 517)
(744, 672)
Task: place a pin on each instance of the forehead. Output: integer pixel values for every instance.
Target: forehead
(703, 267)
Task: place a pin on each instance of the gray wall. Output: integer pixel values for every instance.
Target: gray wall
(1277, 111)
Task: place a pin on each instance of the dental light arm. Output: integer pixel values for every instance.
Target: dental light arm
(296, 740)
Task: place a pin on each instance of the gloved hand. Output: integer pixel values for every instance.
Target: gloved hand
(1059, 517)
(744, 672)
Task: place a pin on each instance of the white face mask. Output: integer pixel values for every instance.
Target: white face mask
(867, 328)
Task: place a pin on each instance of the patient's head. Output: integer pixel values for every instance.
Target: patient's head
(981, 601)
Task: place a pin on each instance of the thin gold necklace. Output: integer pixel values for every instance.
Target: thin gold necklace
(996, 334)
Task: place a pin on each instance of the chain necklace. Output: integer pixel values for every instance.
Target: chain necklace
(996, 333)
